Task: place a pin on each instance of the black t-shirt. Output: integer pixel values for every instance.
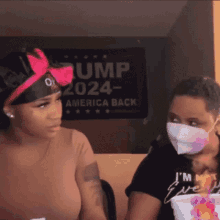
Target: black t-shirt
(164, 174)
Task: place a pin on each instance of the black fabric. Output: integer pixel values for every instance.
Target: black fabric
(164, 174)
(38, 90)
(15, 69)
(110, 196)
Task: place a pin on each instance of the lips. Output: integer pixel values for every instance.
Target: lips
(55, 125)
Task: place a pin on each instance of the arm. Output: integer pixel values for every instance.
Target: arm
(88, 181)
(142, 206)
(146, 192)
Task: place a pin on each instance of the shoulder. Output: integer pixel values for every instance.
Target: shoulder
(161, 152)
(79, 143)
(73, 134)
(79, 136)
(158, 160)
(158, 165)
(73, 138)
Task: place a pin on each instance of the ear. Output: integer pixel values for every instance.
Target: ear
(8, 109)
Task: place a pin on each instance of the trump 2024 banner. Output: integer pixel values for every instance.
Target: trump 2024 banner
(108, 83)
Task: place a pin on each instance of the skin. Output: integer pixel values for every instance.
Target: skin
(88, 180)
(32, 120)
(29, 130)
(91, 173)
(142, 206)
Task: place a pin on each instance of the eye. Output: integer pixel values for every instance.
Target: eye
(194, 123)
(174, 119)
(43, 105)
(59, 99)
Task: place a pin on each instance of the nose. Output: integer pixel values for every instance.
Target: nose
(55, 111)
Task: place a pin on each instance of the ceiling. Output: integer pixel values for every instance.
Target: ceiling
(152, 18)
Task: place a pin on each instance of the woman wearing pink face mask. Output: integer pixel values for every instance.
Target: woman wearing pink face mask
(189, 148)
(47, 172)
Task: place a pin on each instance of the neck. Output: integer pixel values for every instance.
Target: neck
(206, 159)
(16, 136)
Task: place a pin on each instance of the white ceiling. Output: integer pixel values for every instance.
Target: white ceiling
(149, 18)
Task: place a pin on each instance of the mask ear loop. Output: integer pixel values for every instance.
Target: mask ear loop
(213, 125)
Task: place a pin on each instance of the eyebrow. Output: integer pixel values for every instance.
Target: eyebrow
(173, 114)
(48, 99)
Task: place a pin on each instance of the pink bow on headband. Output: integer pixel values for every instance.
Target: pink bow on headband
(40, 66)
(63, 75)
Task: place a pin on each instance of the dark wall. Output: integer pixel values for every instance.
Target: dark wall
(113, 136)
(190, 48)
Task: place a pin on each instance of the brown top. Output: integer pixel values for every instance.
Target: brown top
(36, 186)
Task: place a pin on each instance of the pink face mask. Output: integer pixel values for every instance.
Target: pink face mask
(187, 139)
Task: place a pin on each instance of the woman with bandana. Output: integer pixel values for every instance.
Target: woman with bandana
(179, 178)
(47, 172)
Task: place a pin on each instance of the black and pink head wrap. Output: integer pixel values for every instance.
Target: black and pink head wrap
(31, 77)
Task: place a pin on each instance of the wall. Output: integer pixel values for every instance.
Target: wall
(190, 49)
(216, 19)
(118, 170)
(112, 136)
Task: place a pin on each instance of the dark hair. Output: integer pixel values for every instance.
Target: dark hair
(201, 87)
(9, 81)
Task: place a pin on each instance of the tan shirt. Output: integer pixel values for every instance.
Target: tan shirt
(45, 187)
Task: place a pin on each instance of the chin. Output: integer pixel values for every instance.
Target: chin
(51, 134)
(46, 135)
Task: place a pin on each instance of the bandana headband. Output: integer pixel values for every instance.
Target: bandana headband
(40, 66)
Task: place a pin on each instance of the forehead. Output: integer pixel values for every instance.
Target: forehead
(189, 106)
(37, 101)
(49, 96)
